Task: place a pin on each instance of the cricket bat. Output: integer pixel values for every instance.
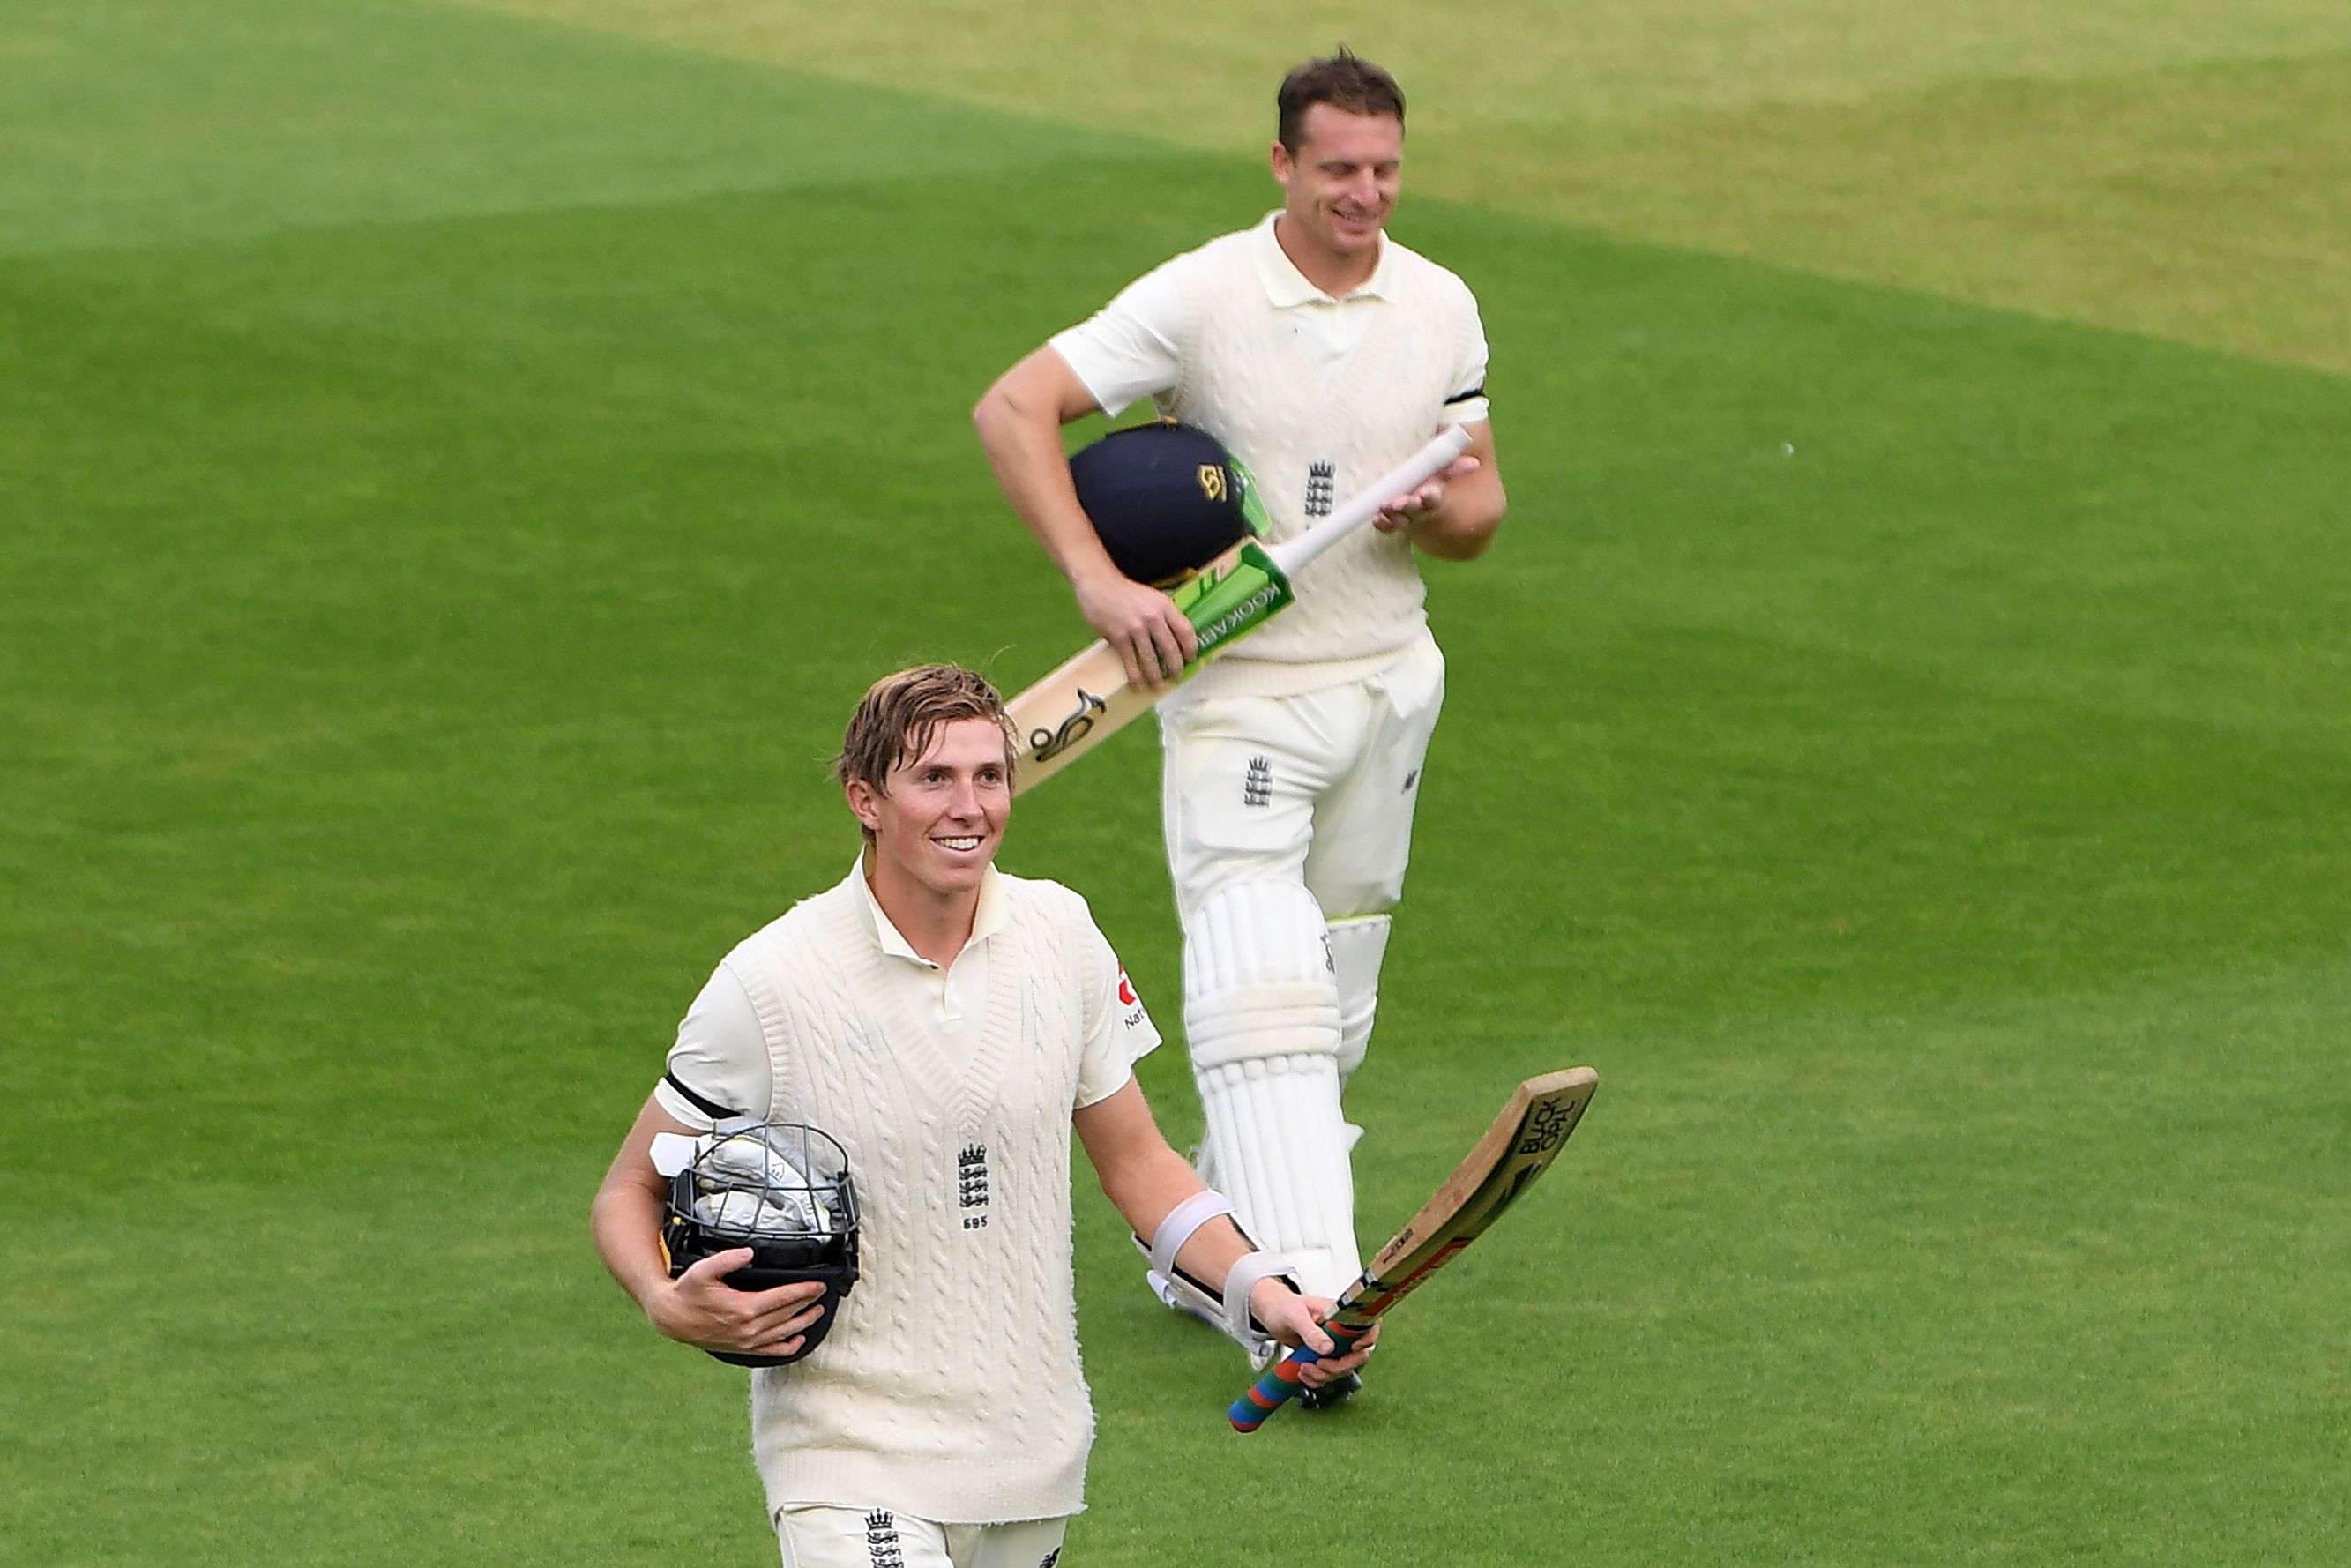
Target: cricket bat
(1089, 698)
(1519, 1147)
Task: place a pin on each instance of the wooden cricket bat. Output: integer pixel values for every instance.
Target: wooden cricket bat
(1519, 1147)
(1089, 698)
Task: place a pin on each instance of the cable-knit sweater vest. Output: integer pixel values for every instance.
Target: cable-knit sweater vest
(1313, 435)
(950, 1388)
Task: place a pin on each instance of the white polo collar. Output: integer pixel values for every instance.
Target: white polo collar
(1285, 286)
(986, 920)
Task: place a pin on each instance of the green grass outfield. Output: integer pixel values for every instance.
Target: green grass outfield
(457, 468)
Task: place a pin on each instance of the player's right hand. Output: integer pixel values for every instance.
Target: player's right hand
(701, 1309)
(1296, 1319)
(1143, 626)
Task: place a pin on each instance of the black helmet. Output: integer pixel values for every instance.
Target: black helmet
(1165, 499)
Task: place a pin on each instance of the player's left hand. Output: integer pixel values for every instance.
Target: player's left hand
(1298, 1320)
(1404, 510)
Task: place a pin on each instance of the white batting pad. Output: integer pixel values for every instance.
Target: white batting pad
(1357, 947)
(1282, 1151)
(1258, 976)
(1261, 1014)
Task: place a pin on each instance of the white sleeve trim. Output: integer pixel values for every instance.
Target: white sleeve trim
(1073, 354)
(1132, 347)
(1472, 375)
(1118, 1028)
(721, 1054)
(1086, 1097)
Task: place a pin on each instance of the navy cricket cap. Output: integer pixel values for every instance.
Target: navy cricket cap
(1165, 499)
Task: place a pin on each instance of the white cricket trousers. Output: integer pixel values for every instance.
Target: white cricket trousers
(879, 1538)
(1317, 787)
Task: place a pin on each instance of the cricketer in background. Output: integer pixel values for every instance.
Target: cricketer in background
(948, 1025)
(1321, 353)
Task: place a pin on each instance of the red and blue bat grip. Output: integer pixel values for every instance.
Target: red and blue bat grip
(1280, 1385)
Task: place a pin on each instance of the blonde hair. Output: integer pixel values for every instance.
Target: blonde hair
(901, 712)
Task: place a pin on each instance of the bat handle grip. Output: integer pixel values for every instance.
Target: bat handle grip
(1280, 1384)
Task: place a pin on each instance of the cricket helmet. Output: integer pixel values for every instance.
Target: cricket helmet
(780, 1188)
(1166, 499)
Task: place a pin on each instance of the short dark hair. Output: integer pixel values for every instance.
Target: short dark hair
(1344, 80)
(901, 712)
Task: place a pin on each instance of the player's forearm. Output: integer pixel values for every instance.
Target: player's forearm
(1021, 436)
(1150, 1188)
(626, 1221)
(1212, 1251)
(1146, 1186)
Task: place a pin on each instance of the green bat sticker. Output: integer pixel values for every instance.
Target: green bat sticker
(1225, 605)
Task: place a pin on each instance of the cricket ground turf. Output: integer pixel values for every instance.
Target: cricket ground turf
(459, 464)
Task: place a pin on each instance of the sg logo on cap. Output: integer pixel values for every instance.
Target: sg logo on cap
(1212, 482)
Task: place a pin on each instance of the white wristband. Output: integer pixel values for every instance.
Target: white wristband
(1181, 1220)
(1252, 1268)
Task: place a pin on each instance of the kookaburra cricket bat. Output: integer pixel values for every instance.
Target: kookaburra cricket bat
(1081, 705)
(1519, 1147)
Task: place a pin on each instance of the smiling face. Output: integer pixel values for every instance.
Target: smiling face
(938, 816)
(1339, 183)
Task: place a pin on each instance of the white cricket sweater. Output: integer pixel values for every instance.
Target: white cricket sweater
(950, 1389)
(1317, 397)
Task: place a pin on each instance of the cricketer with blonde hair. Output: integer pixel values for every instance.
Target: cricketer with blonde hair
(948, 1024)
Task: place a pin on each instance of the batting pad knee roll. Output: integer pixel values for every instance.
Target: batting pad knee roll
(1257, 979)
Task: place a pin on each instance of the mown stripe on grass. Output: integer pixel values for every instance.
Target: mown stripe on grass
(2167, 167)
(137, 122)
(2190, 202)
